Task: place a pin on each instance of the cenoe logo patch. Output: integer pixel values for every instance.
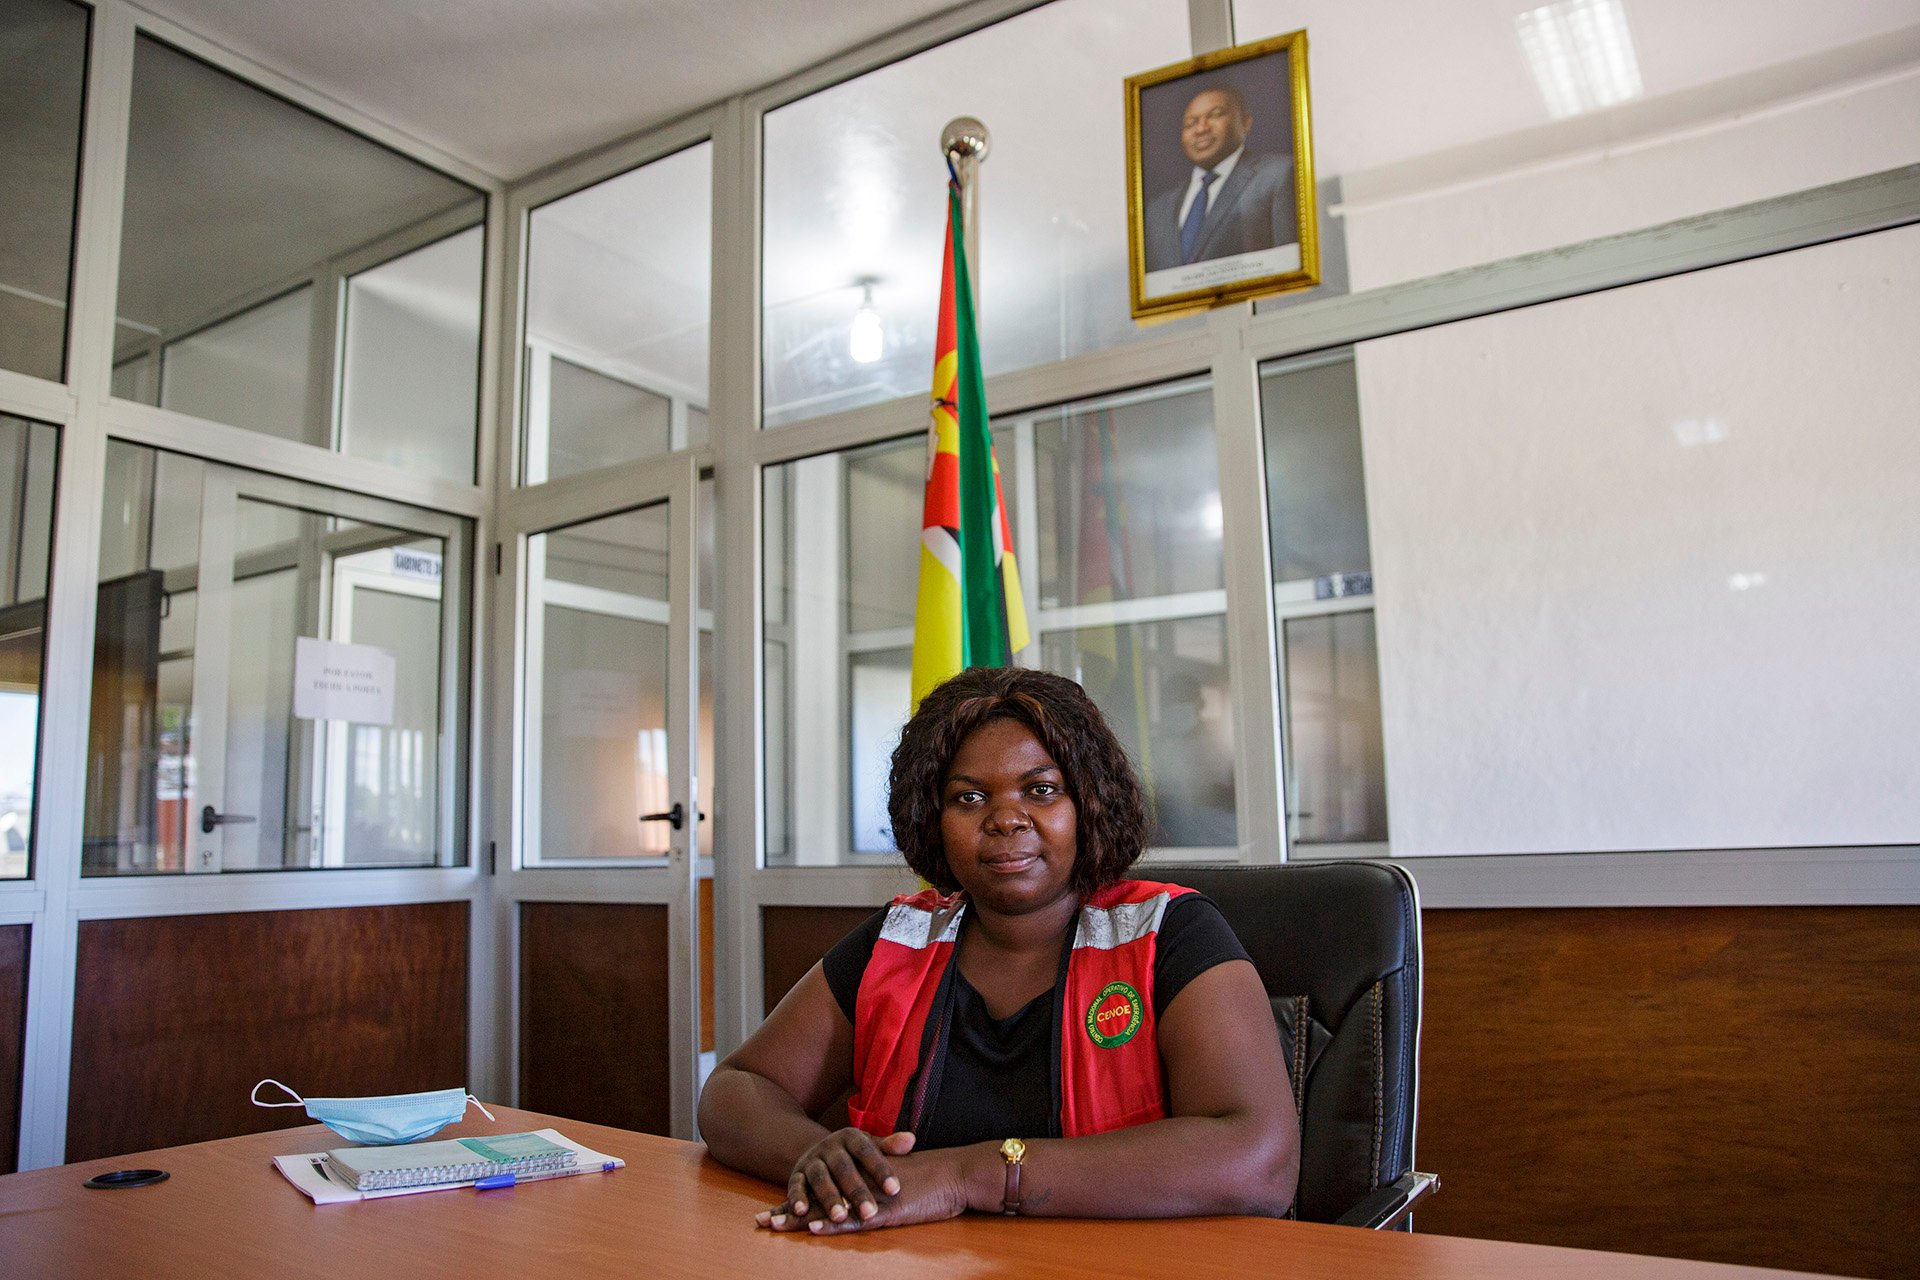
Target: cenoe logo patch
(1114, 1015)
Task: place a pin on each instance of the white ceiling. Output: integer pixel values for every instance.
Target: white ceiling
(512, 85)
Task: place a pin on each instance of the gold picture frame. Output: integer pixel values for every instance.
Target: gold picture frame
(1186, 124)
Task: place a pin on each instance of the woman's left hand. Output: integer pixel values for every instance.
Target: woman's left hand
(933, 1187)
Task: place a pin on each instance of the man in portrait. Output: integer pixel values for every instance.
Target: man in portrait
(1234, 200)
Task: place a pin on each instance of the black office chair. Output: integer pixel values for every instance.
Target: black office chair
(1337, 945)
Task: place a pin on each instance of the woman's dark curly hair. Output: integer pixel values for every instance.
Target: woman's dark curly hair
(1109, 808)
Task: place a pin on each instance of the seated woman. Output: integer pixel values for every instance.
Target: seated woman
(1034, 1034)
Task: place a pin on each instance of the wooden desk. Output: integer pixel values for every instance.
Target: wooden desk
(672, 1212)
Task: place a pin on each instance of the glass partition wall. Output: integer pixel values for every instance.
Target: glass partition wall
(1197, 521)
(1244, 533)
(241, 467)
(283, 683)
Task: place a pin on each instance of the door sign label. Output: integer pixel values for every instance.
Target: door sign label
(422, 566)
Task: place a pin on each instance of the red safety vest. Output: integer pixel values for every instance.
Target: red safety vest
(1111, 1076)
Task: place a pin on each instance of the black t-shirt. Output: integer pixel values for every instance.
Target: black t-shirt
(998, 1077)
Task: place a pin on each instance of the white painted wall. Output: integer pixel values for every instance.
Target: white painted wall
(1648, 562)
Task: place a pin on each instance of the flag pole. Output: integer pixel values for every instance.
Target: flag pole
(965, 142)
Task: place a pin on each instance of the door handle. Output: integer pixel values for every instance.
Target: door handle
(209, 819)
(676, 815)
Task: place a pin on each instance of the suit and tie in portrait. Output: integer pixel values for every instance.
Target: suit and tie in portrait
(1233, 201)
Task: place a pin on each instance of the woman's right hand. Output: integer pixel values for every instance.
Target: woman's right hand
(837, 1176)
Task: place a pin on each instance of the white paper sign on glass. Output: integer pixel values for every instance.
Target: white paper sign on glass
(335, 681)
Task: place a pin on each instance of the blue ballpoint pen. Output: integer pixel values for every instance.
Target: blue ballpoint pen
(508, 1179)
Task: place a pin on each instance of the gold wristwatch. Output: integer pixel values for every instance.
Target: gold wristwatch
(1013, 1151)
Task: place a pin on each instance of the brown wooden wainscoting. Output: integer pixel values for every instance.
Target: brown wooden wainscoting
(1735, 1084)
(176, 1017)
(793, 938)
(13, 1037)
(594, 1039)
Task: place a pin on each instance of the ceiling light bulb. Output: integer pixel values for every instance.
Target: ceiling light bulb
(866, 341)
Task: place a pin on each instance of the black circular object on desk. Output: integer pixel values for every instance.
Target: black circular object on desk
(126, 1178)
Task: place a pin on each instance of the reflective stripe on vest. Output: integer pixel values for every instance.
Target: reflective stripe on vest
(1110, 1071)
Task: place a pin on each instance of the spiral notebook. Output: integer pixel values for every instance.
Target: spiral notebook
(422, 1164)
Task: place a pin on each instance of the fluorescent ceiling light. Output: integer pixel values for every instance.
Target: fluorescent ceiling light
(1581, 55)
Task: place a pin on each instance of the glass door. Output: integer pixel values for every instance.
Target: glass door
(306, 644)
(604, 882)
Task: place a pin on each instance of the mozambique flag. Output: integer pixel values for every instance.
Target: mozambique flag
(970, 613)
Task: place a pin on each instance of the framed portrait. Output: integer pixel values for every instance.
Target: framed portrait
(1220, 195)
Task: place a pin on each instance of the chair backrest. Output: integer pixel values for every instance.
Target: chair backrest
(1338, 946)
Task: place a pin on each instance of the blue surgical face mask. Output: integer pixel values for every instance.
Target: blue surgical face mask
(396, 1118)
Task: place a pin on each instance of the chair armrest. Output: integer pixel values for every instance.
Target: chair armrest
(1390, 1203)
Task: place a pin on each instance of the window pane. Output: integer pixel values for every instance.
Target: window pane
(598, 643)
(1163, 686)
(409, 388)
(28, 460)
(597, 600)
(595, 420)
(383, 811)
(779, 802)
(805, 638)
(886, 490)
(1545, 124)
(855, 203)
(1316, 485)
(1122, 502)
(618, 278)
(250, 223)
(140, 741)
(43, 67)
(1130, 498)
(1317, 509)
(306, 784)
(253, 365)
(880, 688)
(138, 378)
(1336, 776)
